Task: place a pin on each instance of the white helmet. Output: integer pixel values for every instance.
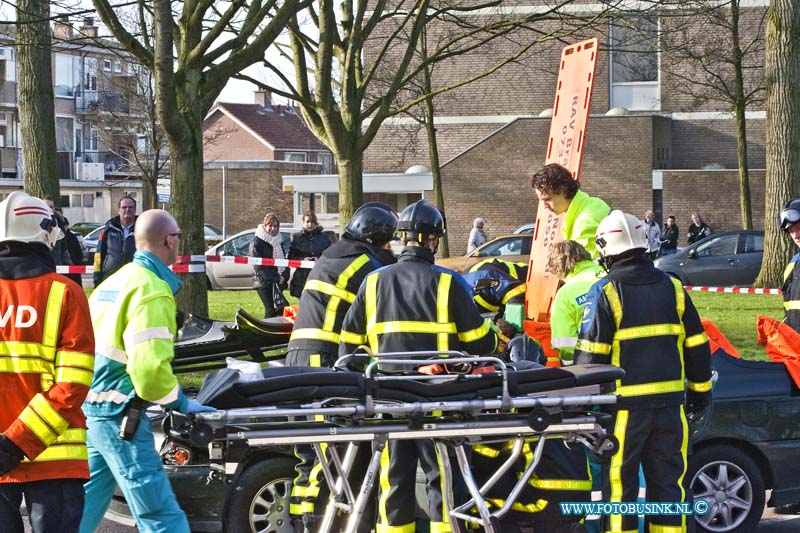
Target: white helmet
(620, 232)
(24, 218)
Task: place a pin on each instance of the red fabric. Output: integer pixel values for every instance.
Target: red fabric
(541, 332)
(75, 335)
(290, 313)
(716, 339)
(782, 344)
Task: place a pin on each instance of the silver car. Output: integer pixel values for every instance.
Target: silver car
(235, 275)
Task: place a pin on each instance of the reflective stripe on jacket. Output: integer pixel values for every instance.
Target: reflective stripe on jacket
(415, 305)
(580, 222)
(46, 362)
(791, 294)
(133, 314)
(567, 310)
(655, 335)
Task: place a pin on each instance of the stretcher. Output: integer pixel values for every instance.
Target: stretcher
(507, 402)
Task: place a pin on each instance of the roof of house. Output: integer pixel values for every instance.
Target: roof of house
(280, 126)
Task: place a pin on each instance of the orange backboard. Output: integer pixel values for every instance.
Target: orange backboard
(565, 147)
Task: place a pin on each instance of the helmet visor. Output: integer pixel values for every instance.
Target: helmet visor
(789, 217)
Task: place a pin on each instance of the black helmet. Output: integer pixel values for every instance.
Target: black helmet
(373, 222)
(421, 221)
(790, 214)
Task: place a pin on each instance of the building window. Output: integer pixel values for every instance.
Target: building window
(634, 64)
(117, 66)
(64, 83)
(65, 201)
(297, 157)
(107, 65)
(64, 134)
(74, 200)
(326, 159)
(88, 199)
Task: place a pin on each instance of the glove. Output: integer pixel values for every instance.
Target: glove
(193, 406)
(10, 455)
(696, 404)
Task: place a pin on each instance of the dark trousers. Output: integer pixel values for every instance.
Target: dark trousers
(268, 299)
(54, 505)
(658, 439)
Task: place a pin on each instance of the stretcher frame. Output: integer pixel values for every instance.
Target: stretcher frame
(458, 424)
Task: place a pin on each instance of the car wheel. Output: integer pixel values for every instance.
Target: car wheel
(259, 500)
(731, 483)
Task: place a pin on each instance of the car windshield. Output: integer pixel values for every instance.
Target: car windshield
(94, 234)
(722, 245)
(507, 246)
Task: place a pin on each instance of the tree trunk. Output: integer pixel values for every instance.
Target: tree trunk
(740, 105)
(782, 42)
(351, 184)
(36, 112)
(433, 152)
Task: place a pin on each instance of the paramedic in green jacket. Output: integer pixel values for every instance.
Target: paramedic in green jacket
(133, 315)
(561, 193)
(572, 263)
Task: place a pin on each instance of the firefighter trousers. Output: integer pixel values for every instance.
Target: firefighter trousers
(656, 438)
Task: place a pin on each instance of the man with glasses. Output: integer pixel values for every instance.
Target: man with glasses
(133, 315)
(115, 246)
(790, 223)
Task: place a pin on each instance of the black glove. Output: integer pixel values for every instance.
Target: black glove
(697, 404)
(10, 455)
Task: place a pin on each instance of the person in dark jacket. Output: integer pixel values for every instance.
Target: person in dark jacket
(414, 305)
(669, 237)
(637, 310)
(331, 287)
(306, 244)
(116, 246)
(267, 279)
(698, 229)
(74, 250)
(789, 219)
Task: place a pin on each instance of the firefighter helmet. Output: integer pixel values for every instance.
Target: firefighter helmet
(421, 221)
(618, 233)
(373, 222)
(790, 214)
(24, 218)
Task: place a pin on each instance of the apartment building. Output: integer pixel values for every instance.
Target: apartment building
(98, 110)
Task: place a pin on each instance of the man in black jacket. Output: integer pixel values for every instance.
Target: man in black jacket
(414, 306)
(697, 230)
(669, 237)
(329, 291)
(643, 321)
(116, 246)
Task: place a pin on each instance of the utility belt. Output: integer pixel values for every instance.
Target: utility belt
(130, 418)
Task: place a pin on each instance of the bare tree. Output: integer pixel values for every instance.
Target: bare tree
(783, 132)
(353, 69)
(196, 46)
(36, 112)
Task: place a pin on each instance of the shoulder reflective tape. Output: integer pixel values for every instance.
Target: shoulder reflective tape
(443, 310)
(19, 348)
(110, 352)
(661, 387)
(696, 340)
(317, 334)
(170, 397)
(480, 300)
(17, 365)
(74, 375)
(614, 302)
(703, 386)
(654, 330)
(330, 290)
(352, 268)
(338, 292)
(474, 334)
(52, 315)
(408, 326)
(519, 289)
(149, 334)
(788, 270)
(74, 452)
(370, 304)
(680, 297)
(352, 338)
(563, 342)
(113, 396)
(76, 359)
(593, 347)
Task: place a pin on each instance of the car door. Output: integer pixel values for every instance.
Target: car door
(713, 262)
(234, 275)
(749, 256)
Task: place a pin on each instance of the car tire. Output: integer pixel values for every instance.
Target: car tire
(732, 485)
(259, 498)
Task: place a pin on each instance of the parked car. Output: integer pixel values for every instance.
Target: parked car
(508, 247)
(84, 228)
(731, 258)
(526, 228)
(234, 275)
(90, 245)
(211, 232)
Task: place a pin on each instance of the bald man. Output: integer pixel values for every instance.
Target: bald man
(133, 315)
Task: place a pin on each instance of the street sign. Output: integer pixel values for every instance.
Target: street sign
(163, 190)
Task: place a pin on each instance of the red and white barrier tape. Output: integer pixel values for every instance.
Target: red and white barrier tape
(736, 290)
(89, 269)
(182, 263)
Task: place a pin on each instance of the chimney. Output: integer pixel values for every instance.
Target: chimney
(263, 98)
(62, 29)
(88, 29)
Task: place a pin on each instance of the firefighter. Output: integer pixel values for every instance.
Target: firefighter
(510, 286)
(572, 263)
(790, 223)
(643, 321)
(134, 316)
(330, 289)
(561, 194)
(414, 306)
(45, 371)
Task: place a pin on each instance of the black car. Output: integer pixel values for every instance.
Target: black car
(731, 258)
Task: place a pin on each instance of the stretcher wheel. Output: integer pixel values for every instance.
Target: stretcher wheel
(539, 419)
(201, 434)
(607, 446)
